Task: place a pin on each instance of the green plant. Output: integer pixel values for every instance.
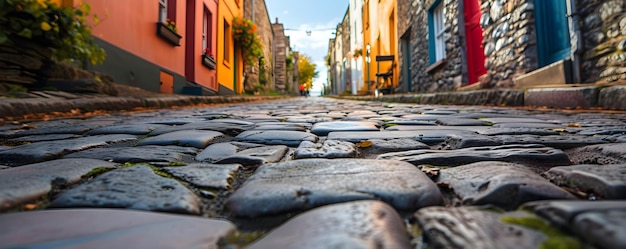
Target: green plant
(171, 25)
(64, 29)
(244, 34)
(357, 53)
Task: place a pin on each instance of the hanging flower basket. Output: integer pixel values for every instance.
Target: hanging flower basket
(168, 34)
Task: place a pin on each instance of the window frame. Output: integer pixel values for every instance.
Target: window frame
(207, 31)
(436, 32)
(163, 13)
(227, 36)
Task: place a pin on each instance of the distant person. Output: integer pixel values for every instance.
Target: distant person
(302, 90)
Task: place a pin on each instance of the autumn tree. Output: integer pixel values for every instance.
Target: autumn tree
(306, 71)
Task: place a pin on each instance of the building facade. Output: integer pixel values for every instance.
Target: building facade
(443, 45)
(261, 74)
(281, 51)
(356, 45)
(169, 46)
(346, 53)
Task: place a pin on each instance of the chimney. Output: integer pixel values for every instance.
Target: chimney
(276, 20)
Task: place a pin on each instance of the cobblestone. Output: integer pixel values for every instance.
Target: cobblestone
(316, 172)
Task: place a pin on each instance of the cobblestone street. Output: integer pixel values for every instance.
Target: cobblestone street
(316, 173)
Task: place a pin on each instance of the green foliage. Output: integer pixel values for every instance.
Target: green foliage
(244, 34)
(44, 23)
(306, 71)
(289, 61)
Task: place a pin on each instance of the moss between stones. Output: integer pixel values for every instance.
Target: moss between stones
(556, 238)
(176, 164)
(96, 172)
(239, 239)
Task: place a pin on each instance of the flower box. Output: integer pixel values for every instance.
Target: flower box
(168, 35)
(208, 61)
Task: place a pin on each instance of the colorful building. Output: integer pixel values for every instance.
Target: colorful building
(380, 38)
(229, 59)
(169, 46)
(444, 45)
(356, 46)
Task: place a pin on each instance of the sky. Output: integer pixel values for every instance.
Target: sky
(318, 16)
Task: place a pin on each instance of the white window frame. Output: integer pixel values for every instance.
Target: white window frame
(162, 11)
(205, 29)
(439, 31)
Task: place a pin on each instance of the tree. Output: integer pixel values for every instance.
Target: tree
(306, 71)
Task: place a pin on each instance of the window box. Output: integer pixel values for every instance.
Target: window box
(168, 35)
(208, 61)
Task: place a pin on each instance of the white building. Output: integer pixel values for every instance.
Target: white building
(356, 43)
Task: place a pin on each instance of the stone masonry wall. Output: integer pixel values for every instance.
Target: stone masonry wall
(603, 27)
(511, 48)
(509, 39)
(448, 76)
(406, 10)
(264, 29)
(280, 57)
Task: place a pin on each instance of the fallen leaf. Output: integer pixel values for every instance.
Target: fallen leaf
(364, 144)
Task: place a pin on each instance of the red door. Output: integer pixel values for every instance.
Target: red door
(474, 41)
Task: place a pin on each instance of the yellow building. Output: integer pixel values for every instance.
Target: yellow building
(380, 36)
(229, 59)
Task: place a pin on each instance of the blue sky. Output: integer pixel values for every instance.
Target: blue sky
(318, 16)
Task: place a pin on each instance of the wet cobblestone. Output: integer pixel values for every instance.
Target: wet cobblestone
(316, 173)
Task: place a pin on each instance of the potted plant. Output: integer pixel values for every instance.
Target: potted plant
(168, 32)
(207, 59)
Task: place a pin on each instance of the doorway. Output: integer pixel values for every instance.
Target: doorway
(474, 41)
(167, 82)
(553, 41)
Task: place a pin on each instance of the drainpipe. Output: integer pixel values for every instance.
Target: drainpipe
(575, 39)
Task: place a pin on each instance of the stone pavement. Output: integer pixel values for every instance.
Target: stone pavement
(316, 173)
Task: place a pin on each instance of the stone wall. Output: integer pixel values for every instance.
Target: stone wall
(26, 66)
(603, 28)
(280, 56)
(448, 76)
(509, 40)
(406, 9)
(22, 64)
(264, 29)
(511, 47)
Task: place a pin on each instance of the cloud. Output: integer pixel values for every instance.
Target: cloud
(314, 46)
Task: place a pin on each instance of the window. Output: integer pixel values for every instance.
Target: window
(162, 11)
(167, 10)
(436, 28)
(227, 37)
(366, 14)
(207, 32)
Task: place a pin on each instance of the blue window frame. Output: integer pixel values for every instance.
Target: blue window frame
(436, 32)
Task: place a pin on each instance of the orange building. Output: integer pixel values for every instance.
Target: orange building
(380, 36)
(170, 46)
